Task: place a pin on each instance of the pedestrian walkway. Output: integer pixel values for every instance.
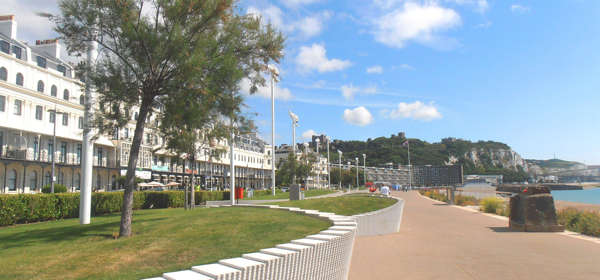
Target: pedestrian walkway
(438, 241)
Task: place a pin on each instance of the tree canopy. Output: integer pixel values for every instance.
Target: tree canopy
(180, 61)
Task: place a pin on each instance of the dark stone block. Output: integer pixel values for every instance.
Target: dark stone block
(532, 209)
(296, 192)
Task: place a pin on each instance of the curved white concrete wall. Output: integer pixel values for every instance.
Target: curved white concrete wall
(383, 221)
(320, 256)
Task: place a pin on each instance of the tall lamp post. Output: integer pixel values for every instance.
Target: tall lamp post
(274, 75)
(294, 118)
(340, 155)
(365, 168)
(356, 158)
(328, 174)
(232, 168)
(55, 113)
(318, 165)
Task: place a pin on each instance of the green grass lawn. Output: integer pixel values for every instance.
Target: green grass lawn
(342, 205)
(264, 195)
(163, 240)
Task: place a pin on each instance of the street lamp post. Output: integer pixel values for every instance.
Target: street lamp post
(294, 118)
(318, 165)
(274, 74)
(56, 113)
(340, 156)
(232, 169)
(328, 174)
(356, 158)
(365, 168)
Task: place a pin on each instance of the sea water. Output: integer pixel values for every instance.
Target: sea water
(590, 196)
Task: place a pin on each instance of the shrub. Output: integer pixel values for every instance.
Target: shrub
(584, 222)
(493, 205)
(58, 188)
(28, 208)
(465, 200)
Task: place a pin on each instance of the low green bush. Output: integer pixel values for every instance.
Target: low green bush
(494, 205)
(585, 222)
(58, 188)
(29, 208)
(435, 194)
(465, 200)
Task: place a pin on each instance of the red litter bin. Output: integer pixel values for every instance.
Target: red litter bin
(239, 193)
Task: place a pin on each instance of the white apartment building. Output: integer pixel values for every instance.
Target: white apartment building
(35, 83)
(319, 166)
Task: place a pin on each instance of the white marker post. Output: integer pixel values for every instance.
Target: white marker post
(85, 200)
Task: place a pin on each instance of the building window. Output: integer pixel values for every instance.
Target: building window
(2, 102)
(63, 152)
(5, 47)
(148, 139)
(41, 62)
(82, 99)
(38, 112)
(80, 123)
(40, 86)
(78, 153)
(126, 133)
(62, 69)
(52, 117)
(12, 180)
(19, 79)
(100, 155)
(17, 107)
(3, 74)
(33, 181)
(65, 119)
(50, 151)
(47, 178)
(36, 149)
(66, 94)
(135, 116)
(53, 90)
(18, 52)
(77, 183)
(98, 181)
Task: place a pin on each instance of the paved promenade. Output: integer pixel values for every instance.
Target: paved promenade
(437, 241)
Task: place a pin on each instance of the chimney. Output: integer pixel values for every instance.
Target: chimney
(8, 26)
(51, 47)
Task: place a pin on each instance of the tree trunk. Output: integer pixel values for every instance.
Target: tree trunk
(127, 208)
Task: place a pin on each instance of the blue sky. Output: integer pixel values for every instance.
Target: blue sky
(521, 72)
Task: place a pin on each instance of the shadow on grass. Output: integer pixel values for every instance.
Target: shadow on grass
(64, 233)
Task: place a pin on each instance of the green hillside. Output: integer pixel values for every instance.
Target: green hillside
(384, 150)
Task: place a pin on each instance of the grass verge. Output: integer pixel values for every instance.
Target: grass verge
(268, 195)
(163, 240)
(342, 205)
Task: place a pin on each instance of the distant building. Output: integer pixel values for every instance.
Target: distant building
(490, 179)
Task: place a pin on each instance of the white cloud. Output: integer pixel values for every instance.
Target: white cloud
(519, 9)
(308, 134)
(480, 6)
(310, 26)
(359, 116)
(415, 22)
(265, 91)
(296, 3)
(315, 58)
(375, 70)
(306, 27)
(348, 91)
(416, 110)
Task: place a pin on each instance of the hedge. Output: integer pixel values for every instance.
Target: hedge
(29, 208)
